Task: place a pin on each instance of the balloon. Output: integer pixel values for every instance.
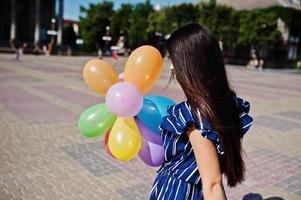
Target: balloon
(153, 110)
(161, 102)
(124, 99)
(125, 139)
(99, 75)
(150, 115)
(106, 139)
(151, 154)
(95, 120)
(148, 134)
(143, 67)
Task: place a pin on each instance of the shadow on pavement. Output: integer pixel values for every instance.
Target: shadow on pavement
(256, 196)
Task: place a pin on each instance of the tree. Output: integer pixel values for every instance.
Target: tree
(183, 13)
(139, 23)
(168, 19)
(223, 21)
(120, 22)
(161, 22)
(258, 28)
(93, 24)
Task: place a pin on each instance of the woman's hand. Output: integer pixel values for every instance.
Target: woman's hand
(208, 166)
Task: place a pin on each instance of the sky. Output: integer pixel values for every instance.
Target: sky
(71, 7)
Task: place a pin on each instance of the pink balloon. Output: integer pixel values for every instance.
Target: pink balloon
(124, 99)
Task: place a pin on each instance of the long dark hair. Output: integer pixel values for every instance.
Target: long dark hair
(199, 68)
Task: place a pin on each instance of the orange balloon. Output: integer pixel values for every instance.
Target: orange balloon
(143, 67)
(99, 75)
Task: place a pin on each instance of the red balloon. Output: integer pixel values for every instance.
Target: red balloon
(106, 140)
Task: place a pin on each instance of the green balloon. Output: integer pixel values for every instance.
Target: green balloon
(95, 120)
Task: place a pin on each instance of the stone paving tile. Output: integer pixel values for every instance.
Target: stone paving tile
(88, 156)
(259, 95)
(76, 77)
(264, 167)
(6, 70)
(139, 191)
(272, 86)
(276, 123)
(267, 91)
(70, 95)
(296, 115)
(17, 78)
(292, 183)
(176, 95)
(43, 156)
(54, 70)
(32, 108)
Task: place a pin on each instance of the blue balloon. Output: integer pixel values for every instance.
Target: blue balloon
(153, 110)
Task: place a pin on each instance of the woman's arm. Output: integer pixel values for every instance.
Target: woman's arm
(208, 165)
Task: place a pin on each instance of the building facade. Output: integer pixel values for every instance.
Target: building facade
(30, 21)
(283, 54)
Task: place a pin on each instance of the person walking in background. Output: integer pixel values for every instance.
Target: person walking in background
(261, 64)
(202, 136)
(253, 63)
(16, 46)
(115, 55)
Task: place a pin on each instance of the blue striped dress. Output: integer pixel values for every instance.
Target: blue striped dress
(178, 178)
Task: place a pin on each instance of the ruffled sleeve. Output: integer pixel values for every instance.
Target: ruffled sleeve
(246, 120)
(180, 116)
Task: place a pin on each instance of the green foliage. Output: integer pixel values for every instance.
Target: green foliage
(240, 27)
(139, 23)
(170, 18)
(120, 22)
(183, 14)
(93, 25)
(222, 21)
(285, 13)
(258, 27)
(160, 22)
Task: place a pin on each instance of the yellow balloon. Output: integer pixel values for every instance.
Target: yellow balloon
(99, 75)
(125, 139)
(143, 67)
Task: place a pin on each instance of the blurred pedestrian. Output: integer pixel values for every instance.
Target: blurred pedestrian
(16, 46)
(254, 58)
(37, 49)
(115, 55)
(99, 53)
(260, 64)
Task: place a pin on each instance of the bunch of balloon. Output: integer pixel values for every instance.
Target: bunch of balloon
(129, 121)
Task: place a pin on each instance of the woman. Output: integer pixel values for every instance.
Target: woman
(202, 135)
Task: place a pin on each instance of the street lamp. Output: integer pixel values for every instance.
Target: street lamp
(107, 38)
(53, 30)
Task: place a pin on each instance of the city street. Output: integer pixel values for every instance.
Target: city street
(44, 157)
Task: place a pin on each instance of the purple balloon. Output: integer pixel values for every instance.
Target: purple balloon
(151, 154)
(124, 99)
(147, 133)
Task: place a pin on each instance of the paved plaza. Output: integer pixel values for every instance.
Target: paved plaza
(44, 157)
